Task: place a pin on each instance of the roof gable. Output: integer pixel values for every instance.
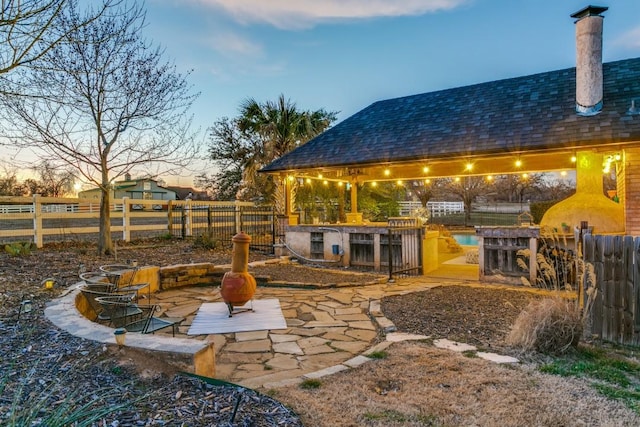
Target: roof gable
(529, 113)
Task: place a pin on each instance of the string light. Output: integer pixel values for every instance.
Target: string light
(425, 169)
(308, 180)
(489, 177)
(387, 172)
(399, 182)
(457, 179)
(518, 163)
(469, 166)
(373, 183)
(574, 159)
(427, 181)
(325, 182)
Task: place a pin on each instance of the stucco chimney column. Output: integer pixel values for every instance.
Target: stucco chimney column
(589, 60)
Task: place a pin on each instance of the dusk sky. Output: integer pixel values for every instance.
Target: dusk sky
(343, 55)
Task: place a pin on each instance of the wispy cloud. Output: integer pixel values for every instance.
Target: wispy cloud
(229, 43)
(297, 14)
(629, 39)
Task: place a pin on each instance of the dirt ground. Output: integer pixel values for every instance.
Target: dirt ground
(415, 385)
(419, 385)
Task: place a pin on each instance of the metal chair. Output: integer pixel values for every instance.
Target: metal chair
(135, 317)
(115, 272)
(93, 291)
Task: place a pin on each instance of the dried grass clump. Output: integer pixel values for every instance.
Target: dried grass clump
(551, 326)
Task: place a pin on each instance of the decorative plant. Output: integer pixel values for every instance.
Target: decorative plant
(556, 265)
(18, 248)
(554, 325)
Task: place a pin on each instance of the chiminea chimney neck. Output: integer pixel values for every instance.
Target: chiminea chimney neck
(589, 79)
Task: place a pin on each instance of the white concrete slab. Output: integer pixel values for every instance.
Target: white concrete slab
(213, 318)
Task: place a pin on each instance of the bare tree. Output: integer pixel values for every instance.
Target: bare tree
(54, 181)
(468, 188)
(105, 102)
(29, 29)
(9, 184)
(516, 187)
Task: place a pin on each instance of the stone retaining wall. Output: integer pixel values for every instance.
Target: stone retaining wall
(180, 275)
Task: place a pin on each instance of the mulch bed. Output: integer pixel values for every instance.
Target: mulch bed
(481, 316)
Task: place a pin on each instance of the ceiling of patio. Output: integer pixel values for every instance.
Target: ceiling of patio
(490, 165)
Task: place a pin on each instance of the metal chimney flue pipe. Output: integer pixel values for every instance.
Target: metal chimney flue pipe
(589, 60)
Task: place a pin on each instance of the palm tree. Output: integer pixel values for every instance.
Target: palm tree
(280, 127)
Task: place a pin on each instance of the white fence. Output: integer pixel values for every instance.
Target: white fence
(435, 208)
(34, 218)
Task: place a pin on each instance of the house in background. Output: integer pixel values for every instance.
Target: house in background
(183, 192)
(141, 188)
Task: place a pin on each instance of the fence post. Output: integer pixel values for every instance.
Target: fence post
(237, 217)
(390, 250)
(37, 221)
(274, 228)
(209, 220)
(189, 225)
(126, 219)
(170, 217)
(183, 223)
(533, 262)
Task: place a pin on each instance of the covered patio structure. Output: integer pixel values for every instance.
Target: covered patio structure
(583, 119)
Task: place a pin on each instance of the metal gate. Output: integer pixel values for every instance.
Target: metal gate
(401, 251)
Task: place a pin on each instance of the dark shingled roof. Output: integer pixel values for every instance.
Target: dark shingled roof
(530, 113)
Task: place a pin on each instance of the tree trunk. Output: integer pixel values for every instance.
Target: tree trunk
(467, 212)
(105, 244)
(279, 198)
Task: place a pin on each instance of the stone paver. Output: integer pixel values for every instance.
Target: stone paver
(251, 336)
(282, 361)
(454, 346)
(496, 358)
(258, 346)
(328, 331)
(291, 347)
(278, 338)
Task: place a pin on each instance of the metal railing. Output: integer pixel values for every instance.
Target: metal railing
(221, 223)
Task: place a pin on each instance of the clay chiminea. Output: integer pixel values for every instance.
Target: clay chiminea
(238, 286)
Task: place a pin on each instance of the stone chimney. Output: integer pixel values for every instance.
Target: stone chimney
(589, 60)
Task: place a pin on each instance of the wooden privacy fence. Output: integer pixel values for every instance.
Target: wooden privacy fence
(615, 315)
(39, 218)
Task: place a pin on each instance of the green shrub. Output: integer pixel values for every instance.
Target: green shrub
(381, 354)
(18, 248)
(538, 209)
(206, 241)
(310, 384)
